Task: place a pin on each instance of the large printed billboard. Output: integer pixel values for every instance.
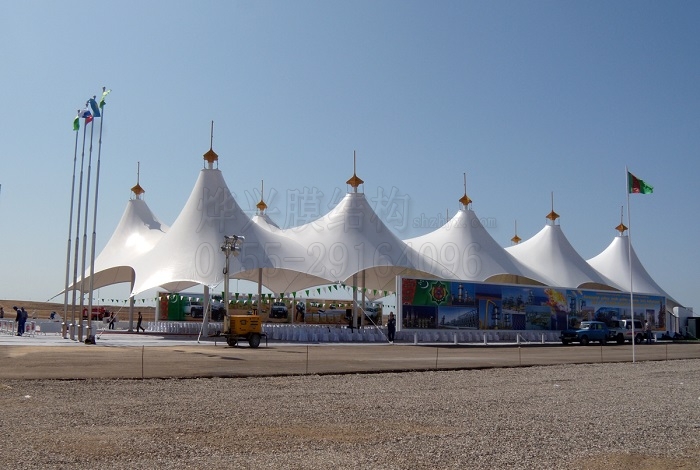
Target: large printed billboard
(427, 303)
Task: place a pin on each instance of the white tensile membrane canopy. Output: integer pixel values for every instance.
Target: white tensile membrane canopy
(190, 253)
(614, 263)
(467, 252)
(352, 240)
(138, 231)
(350, 245)
(549, 254)
(264, 221)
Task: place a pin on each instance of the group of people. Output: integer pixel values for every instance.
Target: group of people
(113, 318)
(21, 319)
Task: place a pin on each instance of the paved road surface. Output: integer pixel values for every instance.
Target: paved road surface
(129, 356)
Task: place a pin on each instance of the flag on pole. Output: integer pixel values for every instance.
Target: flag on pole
(637, 186)
(104, 95)
(87, 115)
(76, 122)
(93, 106)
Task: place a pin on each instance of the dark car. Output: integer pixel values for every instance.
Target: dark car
(279, 310)
(217, 311)
(587, 332)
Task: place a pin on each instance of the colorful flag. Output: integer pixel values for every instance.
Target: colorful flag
(93, 106)
(76, 122)
(637, 186)
(104, 95)
(85, 114)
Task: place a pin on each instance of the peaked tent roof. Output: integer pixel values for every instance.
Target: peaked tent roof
(352, 239)
(138, 231)
(549, 254)
(190, 253)
(614, 263)
(469, 253)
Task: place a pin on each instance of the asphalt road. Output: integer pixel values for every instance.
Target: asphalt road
(136, 356)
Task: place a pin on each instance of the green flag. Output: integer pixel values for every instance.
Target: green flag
(76, 123)
(104, 95)
(637, 186)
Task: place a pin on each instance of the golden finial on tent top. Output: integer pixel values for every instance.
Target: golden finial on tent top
(261, 205)
(516, 239)
(464, 200)
(622, 227)
(355, 181)
(552, 215)
(211, 156)
(137, 189)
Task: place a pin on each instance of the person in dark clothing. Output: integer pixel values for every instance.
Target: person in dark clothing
(391, 327)
(138, 324)
(111, 321)
(21, 320)
(23, 323)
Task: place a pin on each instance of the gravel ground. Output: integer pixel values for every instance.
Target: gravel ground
(643, 416)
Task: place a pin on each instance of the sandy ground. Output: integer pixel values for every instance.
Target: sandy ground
(583, 416)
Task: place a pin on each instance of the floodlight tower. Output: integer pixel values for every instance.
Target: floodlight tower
(230, 246)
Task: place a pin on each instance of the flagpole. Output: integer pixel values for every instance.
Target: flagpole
(70, 229)
(85, 226)
(77, 232)
(94, 217)
(629, 256)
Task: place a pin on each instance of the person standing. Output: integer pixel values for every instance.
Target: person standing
(18, 319)
(647, 329)
(138, 324)
(21, 319)
(111, 320)
(2, 312)
(391, 327)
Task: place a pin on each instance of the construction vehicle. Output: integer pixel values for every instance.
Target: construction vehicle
(243, 327)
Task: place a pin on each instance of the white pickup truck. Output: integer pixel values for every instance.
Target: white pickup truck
(621, 331)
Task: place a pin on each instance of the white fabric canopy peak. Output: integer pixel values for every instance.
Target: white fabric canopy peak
(549, 254)
(138, 231)
(464, 250)
(352, 239)
(190, 253)
(614, 264)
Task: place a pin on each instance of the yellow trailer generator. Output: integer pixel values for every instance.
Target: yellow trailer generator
(243, 327)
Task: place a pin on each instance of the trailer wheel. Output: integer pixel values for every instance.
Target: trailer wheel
(620, 339)
(231, 341)
(254, 340)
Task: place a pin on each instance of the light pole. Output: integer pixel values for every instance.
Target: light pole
(230, 246)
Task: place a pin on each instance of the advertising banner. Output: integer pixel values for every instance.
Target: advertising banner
(427, 303)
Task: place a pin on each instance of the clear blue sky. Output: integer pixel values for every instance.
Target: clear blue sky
(527, 98)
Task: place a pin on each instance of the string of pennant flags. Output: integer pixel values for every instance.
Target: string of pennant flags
(248, 299)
